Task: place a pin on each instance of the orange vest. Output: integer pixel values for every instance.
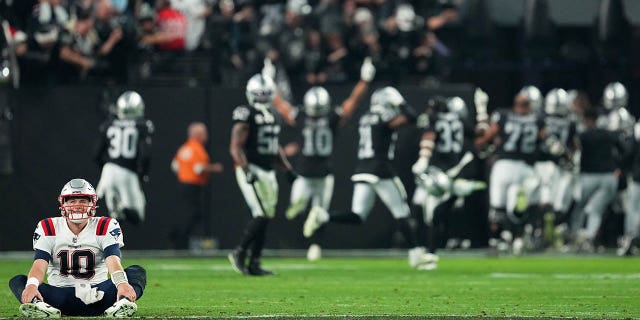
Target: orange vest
(191, 154)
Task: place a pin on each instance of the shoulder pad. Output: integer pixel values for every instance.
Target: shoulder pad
(241, 113)
(48, 227)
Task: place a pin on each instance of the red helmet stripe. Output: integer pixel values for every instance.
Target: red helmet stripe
(103, 226)
(47, 226)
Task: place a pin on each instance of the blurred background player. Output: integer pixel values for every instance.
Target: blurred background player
(256, 151)
(374, 173)
(318, 123)
(66, 248)
(193, 168)
(630, 241)
(124, 153)
(512, 181)
(445, 149)
(598, 182)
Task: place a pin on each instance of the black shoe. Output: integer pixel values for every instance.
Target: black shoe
(237, 259)
(255, 269)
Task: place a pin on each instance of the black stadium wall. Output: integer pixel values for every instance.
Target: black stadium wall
(54, 131)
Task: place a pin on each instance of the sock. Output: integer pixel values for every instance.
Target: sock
(258, 244)
(253, 228)
(407, 232)
(347, 217)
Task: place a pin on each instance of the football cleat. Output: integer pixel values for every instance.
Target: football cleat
(39, 309)
(317, 217)
(314, 253)
(123, 308)
(295, 209)
(237, 259)
(255, 269)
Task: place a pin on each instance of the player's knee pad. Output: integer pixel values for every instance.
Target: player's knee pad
(137, 275)
(17, 284)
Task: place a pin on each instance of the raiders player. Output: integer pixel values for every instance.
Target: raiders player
(555, 172)
(630, 240)
(124, 155)
(616, 117)
(374, 173)
(78, 251)
(318, 123)
(255, 151)
(599, 173)
(444, 151)
(512, 181)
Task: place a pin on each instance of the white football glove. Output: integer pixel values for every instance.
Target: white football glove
(481, 100)
(395, 98)
(269, 69)
(368, 70)
(420, 166)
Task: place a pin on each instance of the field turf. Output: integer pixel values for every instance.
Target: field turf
(382, 288)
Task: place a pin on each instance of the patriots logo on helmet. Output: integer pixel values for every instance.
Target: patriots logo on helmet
(115, 233)
(36, 237)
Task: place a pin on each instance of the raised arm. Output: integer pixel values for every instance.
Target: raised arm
(367, 73)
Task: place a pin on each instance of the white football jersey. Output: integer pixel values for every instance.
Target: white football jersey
(76, 259)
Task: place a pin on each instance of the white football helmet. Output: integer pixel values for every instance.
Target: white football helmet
(556, 102)
(317, 102)
(535, 97)
(129, 106)
(386, 99)
(458, 106)
(78, 188)
(615, 96)
(260, 89)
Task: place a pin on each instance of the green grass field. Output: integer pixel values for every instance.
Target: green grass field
(540, 287)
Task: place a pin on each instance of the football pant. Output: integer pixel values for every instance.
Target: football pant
(261, 195)
(597, 191)
(120, 188)
(316, 190)
(508, 177)
(632, 218)
(390, 191)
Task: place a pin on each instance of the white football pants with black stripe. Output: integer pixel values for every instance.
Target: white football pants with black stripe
(391, 192)
(120, 188)
(261, 195)
(632, 218)
(317, 190)
(508, 177)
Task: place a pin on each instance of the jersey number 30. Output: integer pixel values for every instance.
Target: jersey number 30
(123, 142)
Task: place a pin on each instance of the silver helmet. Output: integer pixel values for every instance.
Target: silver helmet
(260, 89)
(435, 181)
(458, 106)
(385, 100)
(129, 106)
(535, 97)
(615, 96)
(317, 102)
(556, 102)
(78, 188)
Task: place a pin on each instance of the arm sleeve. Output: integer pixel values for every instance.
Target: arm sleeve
(42, 255)
(112, 250)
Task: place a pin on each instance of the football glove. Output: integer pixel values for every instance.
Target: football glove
(250, 176)
(420, 166)
(368, 70)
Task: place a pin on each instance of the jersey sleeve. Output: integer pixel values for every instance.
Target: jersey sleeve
(109, 233)
(44, 236)
(241, 114)
(496, 116)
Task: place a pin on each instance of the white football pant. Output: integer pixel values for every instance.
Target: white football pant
(262, 195)
(390, 191)
(120, 188)
(318, 190)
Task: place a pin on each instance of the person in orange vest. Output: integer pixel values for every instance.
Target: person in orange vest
(193, 168)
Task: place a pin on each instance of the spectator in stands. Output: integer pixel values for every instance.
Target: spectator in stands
(315, 59)
(196, 13)
(172, 22)
(220, 31)
(79, 46)
(112, 35)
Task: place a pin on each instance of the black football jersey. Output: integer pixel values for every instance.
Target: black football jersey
(262, 145)
(316, 140)
(453, 138)
(126, 143)
(563, 129)
(519, 135)
(376, 145)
